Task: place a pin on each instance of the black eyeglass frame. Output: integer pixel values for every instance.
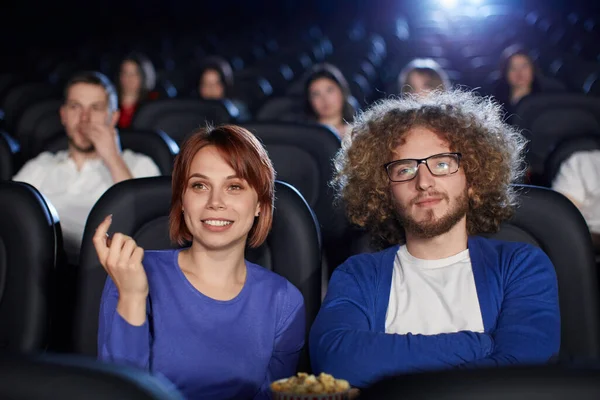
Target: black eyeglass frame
(422, 161)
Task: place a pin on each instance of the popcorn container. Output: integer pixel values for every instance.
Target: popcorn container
(277, 395)
(311, 396)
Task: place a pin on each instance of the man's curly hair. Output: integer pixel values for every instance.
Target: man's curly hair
(492, 158)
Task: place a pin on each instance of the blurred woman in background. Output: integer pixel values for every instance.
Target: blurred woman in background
(519, 78)
(327, 95)
(215, 82)
(137, 79)
(422, 75)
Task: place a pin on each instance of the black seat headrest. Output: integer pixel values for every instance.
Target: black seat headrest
(70, 377)
(30, 251)
(564, 150)
(292, 248)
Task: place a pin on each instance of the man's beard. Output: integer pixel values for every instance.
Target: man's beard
(431, 227)
(87, 150)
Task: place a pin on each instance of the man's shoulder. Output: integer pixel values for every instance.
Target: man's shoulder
(140, 164)
(42, 163)
(48, 159)
(365, 264)
(503, 246)
(512, 254)
(131, 157)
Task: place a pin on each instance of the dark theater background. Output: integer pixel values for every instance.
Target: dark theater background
(50, 294)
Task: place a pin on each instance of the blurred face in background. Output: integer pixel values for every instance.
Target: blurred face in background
(420, 83)
(130, 78)
(210, 86)
(519, 72)
(86, 104)
(326, 98)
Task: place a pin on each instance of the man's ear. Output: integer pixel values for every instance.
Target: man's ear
(114, 119)
(63, 114)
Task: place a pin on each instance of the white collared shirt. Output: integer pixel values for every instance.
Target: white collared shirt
(430, 297)
(579, 177)
(74, 192)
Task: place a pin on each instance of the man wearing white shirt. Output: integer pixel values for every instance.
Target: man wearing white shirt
(73, 180)
(579, 180)
(428, 176)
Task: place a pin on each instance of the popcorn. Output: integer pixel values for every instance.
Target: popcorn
(309, 384)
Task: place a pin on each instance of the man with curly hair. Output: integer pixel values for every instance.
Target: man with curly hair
(427, 175)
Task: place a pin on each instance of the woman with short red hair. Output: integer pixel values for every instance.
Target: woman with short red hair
(216, 325)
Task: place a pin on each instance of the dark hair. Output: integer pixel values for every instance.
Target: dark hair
(146, 70)
(222, 67)
(246, 155)
(492, 154)
(94, 78)
(503, 91)
(331, 72)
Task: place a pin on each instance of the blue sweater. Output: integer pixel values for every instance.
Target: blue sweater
(518, 296)
(209, 349)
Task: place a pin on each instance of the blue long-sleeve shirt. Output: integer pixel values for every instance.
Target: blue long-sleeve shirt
(209, 349)
(518, 297)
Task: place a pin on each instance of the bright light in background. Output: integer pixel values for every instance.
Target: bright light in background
(449, 3)
(455, 3)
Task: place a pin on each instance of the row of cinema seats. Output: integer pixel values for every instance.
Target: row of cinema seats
(550, 122)
(546, 119)
(37, 282)
(301, 154)
(46, 306)
(75, 378)
(467, 45)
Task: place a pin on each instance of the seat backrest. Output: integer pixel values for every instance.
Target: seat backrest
(564, 150)
(155, 144)
(302, 154)
(292, 248)
(9, 148)
(289, 108)
(549, 118)
(548, 220)
(522, 383)
(20, 97)
(179, 117)
(71, 377)
(30, 250)
(37, 125)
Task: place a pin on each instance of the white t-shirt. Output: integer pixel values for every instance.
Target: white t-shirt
(430, 297)
(74, 192)
(579, 178)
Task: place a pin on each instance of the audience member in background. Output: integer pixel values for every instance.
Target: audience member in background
(327, 98)
(217, 326)
(579, 180)
(422, 75)
(519, 78)
(428, 174)
(215, 82)
(137, 79)
(73, 180)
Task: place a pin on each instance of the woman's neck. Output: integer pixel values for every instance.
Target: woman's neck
(128, 99)
(518, 93)
(215, 267)
(332, 121)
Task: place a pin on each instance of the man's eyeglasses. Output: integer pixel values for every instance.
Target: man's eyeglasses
(438, 165)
